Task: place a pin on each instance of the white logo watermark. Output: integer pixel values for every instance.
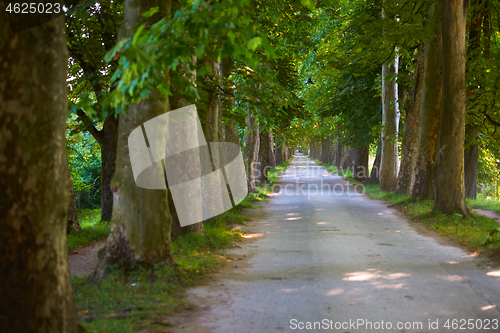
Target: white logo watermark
(198, 174)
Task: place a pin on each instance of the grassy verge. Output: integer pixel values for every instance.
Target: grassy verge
(486, 203)
(140, 300)
(92, 229)
(479, 233)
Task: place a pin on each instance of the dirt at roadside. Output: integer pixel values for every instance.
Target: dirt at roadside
(83, 260)
(488, 213)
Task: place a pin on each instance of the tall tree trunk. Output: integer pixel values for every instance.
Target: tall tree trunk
(471, 153)
(108, 144)
(227, 103)
(388, 164)
(279, 152)
(338, 153)
(361, 164)
(266, 157)
(375, 169)
(140, 228)
(326, 149)
(35, 288)
(348, 159)
(251, 150)
(431, 110)
(406, 176)
(449, 190)
(73, 224)
(471, 156)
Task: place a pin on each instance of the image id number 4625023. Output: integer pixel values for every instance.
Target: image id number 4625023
(472, 324)
(34, 8)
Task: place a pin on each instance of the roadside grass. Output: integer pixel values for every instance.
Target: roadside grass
(93, 229)
(478, 233)
(486, 203)
(142, 299)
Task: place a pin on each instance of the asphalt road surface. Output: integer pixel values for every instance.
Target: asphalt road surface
(327, 259)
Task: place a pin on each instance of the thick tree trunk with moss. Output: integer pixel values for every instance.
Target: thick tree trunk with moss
(73, 224)
(449, 189)
(431, 111)
(388, 164)
(35, 288)
(361, 164)
(406, 176)
(140, 228)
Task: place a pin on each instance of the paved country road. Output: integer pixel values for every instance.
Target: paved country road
(329, 259)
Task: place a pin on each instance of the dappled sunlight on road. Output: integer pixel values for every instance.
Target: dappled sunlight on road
(451, 278)
(334, 292)
(488, 307)
(250, 236)
(494, 273)
(373, 274)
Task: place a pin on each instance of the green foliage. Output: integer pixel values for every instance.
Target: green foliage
(93, 229)
(91, 29)
(210, 30)
(489, 171)
(84, 157)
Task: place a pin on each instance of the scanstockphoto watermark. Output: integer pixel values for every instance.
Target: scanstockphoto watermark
(357, 324)
(475, 325)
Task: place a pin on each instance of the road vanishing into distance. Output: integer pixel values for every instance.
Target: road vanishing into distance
(323, 258)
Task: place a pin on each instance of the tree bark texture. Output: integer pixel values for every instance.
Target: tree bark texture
(361, 164)
(348, 159)
(375, 170)
(35, 289)
(431, 111)
(266, 157)
(449, 189)
(388, 164)
(471, 157)
(339, 151)
(230, 127)
(141, 223)
(108, 159)
(251, 150)
(409, 149)
(326, 149)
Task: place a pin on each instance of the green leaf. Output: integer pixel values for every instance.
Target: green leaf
(231, 36)
(151, 12)
(199, 50)
(254, 43)
(138, 33)
(307, 3)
